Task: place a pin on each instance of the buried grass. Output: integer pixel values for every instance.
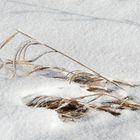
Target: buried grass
(95, 83)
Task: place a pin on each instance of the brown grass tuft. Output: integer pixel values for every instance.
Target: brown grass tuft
(95, 83)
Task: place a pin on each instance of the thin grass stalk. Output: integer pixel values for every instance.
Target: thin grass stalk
(69, 57)
(8, 39)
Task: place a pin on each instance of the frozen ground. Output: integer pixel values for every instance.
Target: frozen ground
(104, 34)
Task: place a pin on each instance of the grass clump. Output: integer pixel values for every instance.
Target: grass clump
(95, 83)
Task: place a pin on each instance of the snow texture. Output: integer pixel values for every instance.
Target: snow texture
(103, 34)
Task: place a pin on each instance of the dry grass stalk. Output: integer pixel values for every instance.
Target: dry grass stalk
(67, 56)
(74, 108)
(106, 109)
(8, 40)
(68, 109)
(23, 50)
(98, 85)
(125, 83)
(1, 63)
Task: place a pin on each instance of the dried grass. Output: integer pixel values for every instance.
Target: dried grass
(73, 108)
(8, 39)
(98, 85)
(68, 109)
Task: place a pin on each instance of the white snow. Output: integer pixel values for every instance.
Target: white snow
(103, 34)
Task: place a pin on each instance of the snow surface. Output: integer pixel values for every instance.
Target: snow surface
(104, 34)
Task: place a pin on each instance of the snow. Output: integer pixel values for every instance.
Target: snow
(103, 34)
